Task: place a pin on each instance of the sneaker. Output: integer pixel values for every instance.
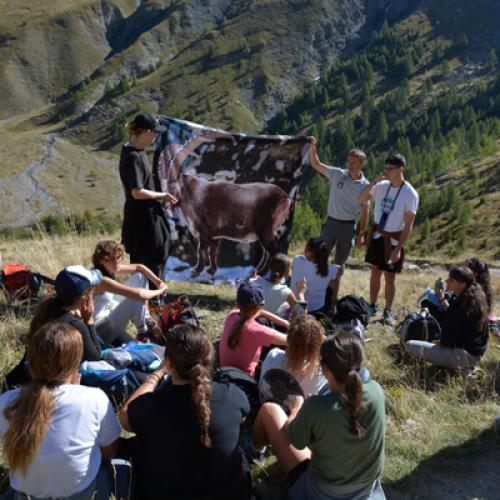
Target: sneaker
(253, 455)
(388, 318)
(373, 309)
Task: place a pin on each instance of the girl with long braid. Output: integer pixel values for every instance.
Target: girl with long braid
(187, 430)
(55, 432)
(464, 325)
(330, 446)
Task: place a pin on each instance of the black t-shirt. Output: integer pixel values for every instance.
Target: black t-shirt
(172, 461)
(90, 337)
(461, 328)
(144, 230)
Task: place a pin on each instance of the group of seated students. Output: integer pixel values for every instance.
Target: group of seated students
(328, 436)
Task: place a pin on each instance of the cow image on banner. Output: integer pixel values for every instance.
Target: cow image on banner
(236, 196)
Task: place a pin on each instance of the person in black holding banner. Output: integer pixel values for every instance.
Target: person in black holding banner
(396, 203)
(145, 232)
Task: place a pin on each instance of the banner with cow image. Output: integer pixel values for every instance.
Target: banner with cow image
(236, 197)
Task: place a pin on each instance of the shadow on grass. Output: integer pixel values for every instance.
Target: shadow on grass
(213, 302)
(469, 470)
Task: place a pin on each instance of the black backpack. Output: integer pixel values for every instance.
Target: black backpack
(352, 307)
(245, 382)
(419, 326)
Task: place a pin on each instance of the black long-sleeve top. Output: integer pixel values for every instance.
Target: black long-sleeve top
(463, 329)
(90, 337)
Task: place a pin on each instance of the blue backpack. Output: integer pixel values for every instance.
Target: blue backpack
(117, 384)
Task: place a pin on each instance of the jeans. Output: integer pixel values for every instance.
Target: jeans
(440, 355)
(306, 488)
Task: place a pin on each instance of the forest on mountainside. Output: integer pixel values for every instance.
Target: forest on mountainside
(405, 93)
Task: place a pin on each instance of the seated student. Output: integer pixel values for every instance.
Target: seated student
(330, 446)
(319, 276)
(301, 358)
(56, 432)
(187, 430)
(73, 304)
(279, 298)
(481, 273)
(118, 303)
(464, 327)
(243, 337)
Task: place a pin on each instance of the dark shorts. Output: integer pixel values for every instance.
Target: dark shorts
(340, 235)
(376, 255)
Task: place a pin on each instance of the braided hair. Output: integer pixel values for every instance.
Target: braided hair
(192, 354)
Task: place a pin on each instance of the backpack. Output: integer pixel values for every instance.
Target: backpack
(117, 384)
(245, 382)
(419, 326)
(20, 283)
(178, 312)
(352, 307)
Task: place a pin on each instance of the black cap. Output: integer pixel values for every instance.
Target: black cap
(249, 295)
(147, 122)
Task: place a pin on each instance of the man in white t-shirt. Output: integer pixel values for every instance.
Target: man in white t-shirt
(340, 230)
(396, 204)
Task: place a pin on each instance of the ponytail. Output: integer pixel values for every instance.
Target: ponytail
(320, 254)
(246, 313)
(354, 400)
(191, 352)
(342, 354)
(279, 266)
(54, 352)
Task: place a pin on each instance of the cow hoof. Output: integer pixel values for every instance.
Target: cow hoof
(212, 271)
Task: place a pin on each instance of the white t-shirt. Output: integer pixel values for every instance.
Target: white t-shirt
(316, 284)
(69, 456)
(274, 295)
(407, 201)
(276, 358)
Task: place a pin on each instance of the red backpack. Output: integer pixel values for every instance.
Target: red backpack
(20, 283)
(178, 312)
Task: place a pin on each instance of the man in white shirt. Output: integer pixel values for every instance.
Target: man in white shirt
(344, 208)
(396, 204)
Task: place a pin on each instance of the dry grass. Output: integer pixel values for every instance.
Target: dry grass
(439, 435)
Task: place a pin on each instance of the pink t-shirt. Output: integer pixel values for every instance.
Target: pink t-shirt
(252, 338)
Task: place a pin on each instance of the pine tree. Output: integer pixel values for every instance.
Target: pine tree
(382, 128)
(492, 59)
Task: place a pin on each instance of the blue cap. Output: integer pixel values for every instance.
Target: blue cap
(72, 281)
(249, 295)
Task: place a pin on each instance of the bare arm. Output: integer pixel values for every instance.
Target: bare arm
(141, 268)
(146, 194)
(363, 223)
(113, 286)
(279, 339)
(274, 318)
(314, 159)
(109, 451)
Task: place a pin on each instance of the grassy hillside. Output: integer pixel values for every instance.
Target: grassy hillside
(440, 441)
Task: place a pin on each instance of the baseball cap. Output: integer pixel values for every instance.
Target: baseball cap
(248, 295)
(72, 281)
(148, 122)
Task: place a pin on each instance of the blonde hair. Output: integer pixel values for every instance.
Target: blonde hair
(358, 154)
(54, 352)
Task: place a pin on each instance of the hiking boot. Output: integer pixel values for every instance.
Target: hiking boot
(373, 309)
(388, 318)
(253, 455)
